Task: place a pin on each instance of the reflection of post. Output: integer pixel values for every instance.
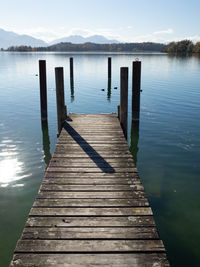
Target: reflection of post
(109, 89)
(46, 143)
(71, 66)
(134, 140)
(72, 90)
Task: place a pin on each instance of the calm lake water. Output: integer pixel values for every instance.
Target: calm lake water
(167, 147)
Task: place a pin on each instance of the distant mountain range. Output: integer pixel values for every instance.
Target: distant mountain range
(8, 38)
(78, 39)
(13, 39)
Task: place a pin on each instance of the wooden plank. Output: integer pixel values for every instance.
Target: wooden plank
(91, 164)
(91, 160)
(82, 154)
(103, 221)
(91, 260)
(90, 139)
(90, 203)
(90, 233)
(65, 246)
(92, 195)
(80, 170)
(92, 181)
(77, 147)
(100, 175)
(105, 188)
(84, 211)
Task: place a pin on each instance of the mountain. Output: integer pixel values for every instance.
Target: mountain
(78, 39)
(8, 39)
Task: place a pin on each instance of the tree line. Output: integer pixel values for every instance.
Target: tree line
(181, 47)
(93, 47)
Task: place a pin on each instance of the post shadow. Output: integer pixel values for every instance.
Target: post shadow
(89, 150)
(46, 142)
(134, 140)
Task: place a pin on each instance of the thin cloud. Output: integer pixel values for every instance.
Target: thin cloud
(169, 31)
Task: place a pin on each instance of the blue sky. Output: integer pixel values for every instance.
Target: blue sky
(124, 20)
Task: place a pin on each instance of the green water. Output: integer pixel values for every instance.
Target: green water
(166, 146)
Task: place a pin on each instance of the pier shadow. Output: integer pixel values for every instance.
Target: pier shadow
(46, 142)
(134, 138)
(89, 150)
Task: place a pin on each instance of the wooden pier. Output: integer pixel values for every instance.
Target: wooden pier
(91, 209)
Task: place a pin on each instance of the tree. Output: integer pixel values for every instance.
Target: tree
(172, 47)
(190, 48)
(197, 47)
(182, 46)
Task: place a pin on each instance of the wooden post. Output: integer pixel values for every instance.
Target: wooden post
(109, 68)
(61, 108)
(71, 66)
(43, 89)
(124, 98)
(136, 80)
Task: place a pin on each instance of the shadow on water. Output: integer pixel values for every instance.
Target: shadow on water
(72, 89)
(109, 90)
(46, 143)
(134, 138)
(89, 150)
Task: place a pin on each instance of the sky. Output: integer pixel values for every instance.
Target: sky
(123, 20)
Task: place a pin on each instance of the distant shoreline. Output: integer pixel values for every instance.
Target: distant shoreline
(181, 47)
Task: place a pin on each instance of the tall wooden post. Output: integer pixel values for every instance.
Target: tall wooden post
(43, 89)
(124, 99)
(109, 68)
(71, 67)
(136, 80)
(61, 108)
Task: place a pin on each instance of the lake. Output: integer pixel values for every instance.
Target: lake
(166, 148)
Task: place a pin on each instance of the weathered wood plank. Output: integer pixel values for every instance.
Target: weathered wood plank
(91, 164)
(55, 187)
(84, 211)
(90, 203)
(91, 181)
(82, 154)
(92, 195)
(91, 169)
(89, 246)
(99, 175)
(126, 221)
(90, 233)
(91, 260)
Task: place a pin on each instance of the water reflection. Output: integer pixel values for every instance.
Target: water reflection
(134, 138)
(46, 143)
(109, 90)
(11, 168)
(72, 89)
